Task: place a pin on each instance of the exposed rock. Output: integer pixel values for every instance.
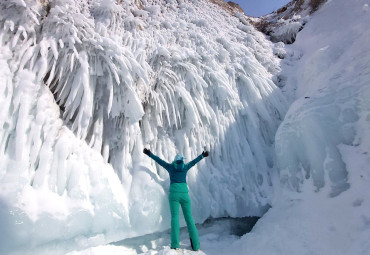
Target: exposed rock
(230, 7)
(235, 6)
(284, 24)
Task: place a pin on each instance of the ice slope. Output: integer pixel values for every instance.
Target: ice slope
(322, 145)
(331, 107)
(86, 85)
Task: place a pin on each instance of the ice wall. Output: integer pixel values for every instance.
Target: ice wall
(53, 186)
(86, 85)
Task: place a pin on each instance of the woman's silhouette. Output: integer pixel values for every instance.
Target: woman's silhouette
(179, 196)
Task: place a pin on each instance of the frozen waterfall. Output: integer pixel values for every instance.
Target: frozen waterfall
(85, 85)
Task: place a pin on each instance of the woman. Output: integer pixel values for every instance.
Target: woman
(179, 196)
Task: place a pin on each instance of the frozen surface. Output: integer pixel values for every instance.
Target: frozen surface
(332, 98)
(322, 146)
(215, 235)
(86, 85)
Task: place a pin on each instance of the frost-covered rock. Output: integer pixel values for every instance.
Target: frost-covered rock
(284, 24)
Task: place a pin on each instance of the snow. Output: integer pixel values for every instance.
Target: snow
(215, 236)
(322, 146)
(332, 85)
(85, 86)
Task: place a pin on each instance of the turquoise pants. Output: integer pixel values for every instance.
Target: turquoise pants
(179, 196)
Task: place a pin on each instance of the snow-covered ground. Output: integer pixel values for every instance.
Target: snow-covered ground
(72, 175)
(216, 235)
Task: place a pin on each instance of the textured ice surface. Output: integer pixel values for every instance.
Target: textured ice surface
(322, 145)
(89, 84)
(332, 98)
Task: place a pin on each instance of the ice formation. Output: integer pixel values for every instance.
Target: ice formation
(86, 85)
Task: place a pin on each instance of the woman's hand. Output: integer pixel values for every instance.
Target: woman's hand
(205, 153)
(146, 151)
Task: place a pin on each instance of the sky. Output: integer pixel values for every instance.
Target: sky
(257, 8)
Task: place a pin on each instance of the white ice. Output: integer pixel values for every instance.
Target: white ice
(322, 146)
(89, 84)
(86, 85)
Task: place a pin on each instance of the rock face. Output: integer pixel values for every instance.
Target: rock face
(284, 24)
(235, 6)
(230, 6)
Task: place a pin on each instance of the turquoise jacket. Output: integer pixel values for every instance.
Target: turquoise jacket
(177, 169)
